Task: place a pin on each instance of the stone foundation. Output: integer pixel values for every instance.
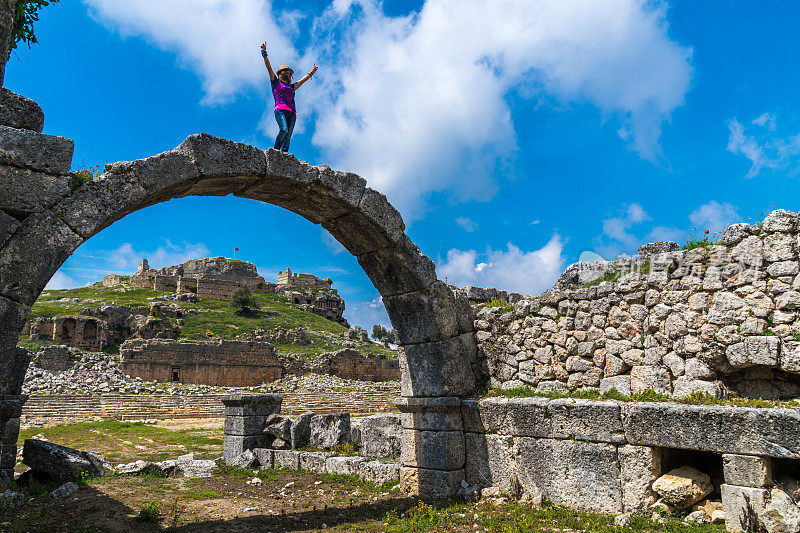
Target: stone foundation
(604, 456)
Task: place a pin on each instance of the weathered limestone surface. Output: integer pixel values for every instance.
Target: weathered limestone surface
(381, 436)
(769, 432)
(747, 470)
(16, 111)
(35, 151)
(330, 430)
(579, 475)
(59, 462)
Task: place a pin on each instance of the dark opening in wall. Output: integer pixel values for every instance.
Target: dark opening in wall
(786, 473)
(176, 374)
(765, 383)
(708, 463)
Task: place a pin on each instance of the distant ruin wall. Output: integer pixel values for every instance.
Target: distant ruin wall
(350, 364)
(78, 331)
(716, 319)
(241, 363)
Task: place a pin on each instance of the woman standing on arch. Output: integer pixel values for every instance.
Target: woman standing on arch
(283, 91)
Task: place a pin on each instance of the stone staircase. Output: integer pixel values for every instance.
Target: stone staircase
(164, 406)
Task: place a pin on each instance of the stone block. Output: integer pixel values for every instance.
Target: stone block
(424, 316)
(343, 465)
(9, 431)
(621, 384)
(430, 483)
(19, 112)
(279, 427)
(685, 387)
(743, 506)
(644, 378)
(247, 459)
(234, 445)
(59, 462)
(591, 420)
(439, 368)
(757, 350)
(736, 430)
(313, 461)
(252, 404)
(640, 466)
(381, 436)
(245, 425)
(490, 461)
(8, 225)
(398, 269)
(439, 414)
(33, 254)
(330, 430)
(439, 450)
(97, 203)
(747, 470)
(286, 459)
(35, 151)
(379, 472)
(14, 363)
(528, 417)
(265, 456)
(301, 430)
(482, 416)
(579, 475)
(217, 157)
(27, 191)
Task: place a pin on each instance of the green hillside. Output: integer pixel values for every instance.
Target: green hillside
(215, 319)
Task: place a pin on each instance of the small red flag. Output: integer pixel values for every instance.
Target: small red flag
(236, 249)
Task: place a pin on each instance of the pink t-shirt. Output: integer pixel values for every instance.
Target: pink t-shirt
(283, 94)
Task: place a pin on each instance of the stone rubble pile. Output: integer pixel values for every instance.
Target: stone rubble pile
(713, 319)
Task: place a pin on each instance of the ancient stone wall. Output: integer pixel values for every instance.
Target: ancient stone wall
(241, 363)
(350, 364)
(79, 331)
(604, 456)
(302, 280)
(717, 319)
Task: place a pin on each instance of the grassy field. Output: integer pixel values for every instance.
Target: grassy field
(214, 320)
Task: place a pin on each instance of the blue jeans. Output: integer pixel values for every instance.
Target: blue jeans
(286, 124)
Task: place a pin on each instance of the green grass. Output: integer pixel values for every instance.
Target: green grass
(518, 518)
(496, 302)
(149, 513)
(697, 398)
(207, 494)
(106, 438)
(609, 276)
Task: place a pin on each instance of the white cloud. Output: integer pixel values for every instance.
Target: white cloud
(367, 314)
(217, 39)
(467, 224)
(125, 258)
(61, 281)
(418, 104)
(409, 94)
(664, 233)
(512, 270)
(617, 228)
(763, 148)
(714, 217)
(333, 246)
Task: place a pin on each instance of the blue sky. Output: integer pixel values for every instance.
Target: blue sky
(515, 137)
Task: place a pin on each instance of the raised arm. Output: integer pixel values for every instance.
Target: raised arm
(266, 61)
(305, 78)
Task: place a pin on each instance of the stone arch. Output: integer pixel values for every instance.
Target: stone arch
(434, 325)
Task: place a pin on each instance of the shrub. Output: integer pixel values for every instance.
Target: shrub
(79, 177)
(149, 513)
(243, 301)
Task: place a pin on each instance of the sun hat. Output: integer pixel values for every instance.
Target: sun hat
(285, 67)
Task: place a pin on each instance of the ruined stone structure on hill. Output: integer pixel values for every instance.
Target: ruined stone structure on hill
(217, 277)
(302, 280)
(93, 329)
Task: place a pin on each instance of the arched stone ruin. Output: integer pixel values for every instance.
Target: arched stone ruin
(46, 216)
